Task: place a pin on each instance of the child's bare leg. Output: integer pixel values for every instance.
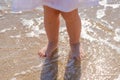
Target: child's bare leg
(51, 23)
(73, 24)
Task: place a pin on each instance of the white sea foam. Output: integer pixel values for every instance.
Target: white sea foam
(117, 78)
(117, 35)
(39, 20)
(105, 4)
(13, 78)
(42, 31)
(86, 28)
(16, 36)
(62, 29)
(100, 13)
(38, 67)
(104, 22)
(27, 23)
(34, 27)
(113, 5)
(4, 30)
(7, 29)
(19, 12)
(110, 45)
(31, 34)
(33, 68)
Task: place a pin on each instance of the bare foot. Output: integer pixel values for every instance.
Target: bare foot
(76, 51)
(48, 51)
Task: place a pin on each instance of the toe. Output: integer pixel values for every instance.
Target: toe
(40, 54)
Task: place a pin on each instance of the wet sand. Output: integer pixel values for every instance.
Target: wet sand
(22, 35)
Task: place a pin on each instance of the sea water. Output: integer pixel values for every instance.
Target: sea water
(23, 34)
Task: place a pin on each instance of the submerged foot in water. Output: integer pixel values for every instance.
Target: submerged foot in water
(48, 50)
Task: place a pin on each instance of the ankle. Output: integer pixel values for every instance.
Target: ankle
(74, 42)
(53, 43)
(75, 46)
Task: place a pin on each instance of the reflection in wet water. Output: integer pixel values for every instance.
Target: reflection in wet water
(73, 70)
(50, 68)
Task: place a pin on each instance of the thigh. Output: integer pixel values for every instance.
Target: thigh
(50, 14)
(70, 16)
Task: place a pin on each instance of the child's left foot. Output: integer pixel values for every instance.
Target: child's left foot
(76, 51)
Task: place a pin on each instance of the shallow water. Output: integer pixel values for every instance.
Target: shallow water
(22, 35)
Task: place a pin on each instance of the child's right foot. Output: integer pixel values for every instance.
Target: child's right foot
(48, 51)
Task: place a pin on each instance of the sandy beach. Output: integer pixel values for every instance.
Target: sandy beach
(22, 35)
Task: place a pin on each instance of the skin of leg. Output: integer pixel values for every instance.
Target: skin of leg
(73, 23)
(51, 23)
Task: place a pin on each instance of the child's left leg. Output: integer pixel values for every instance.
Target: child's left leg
(73, 24)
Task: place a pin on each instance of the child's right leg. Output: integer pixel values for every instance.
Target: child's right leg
(51, 23)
